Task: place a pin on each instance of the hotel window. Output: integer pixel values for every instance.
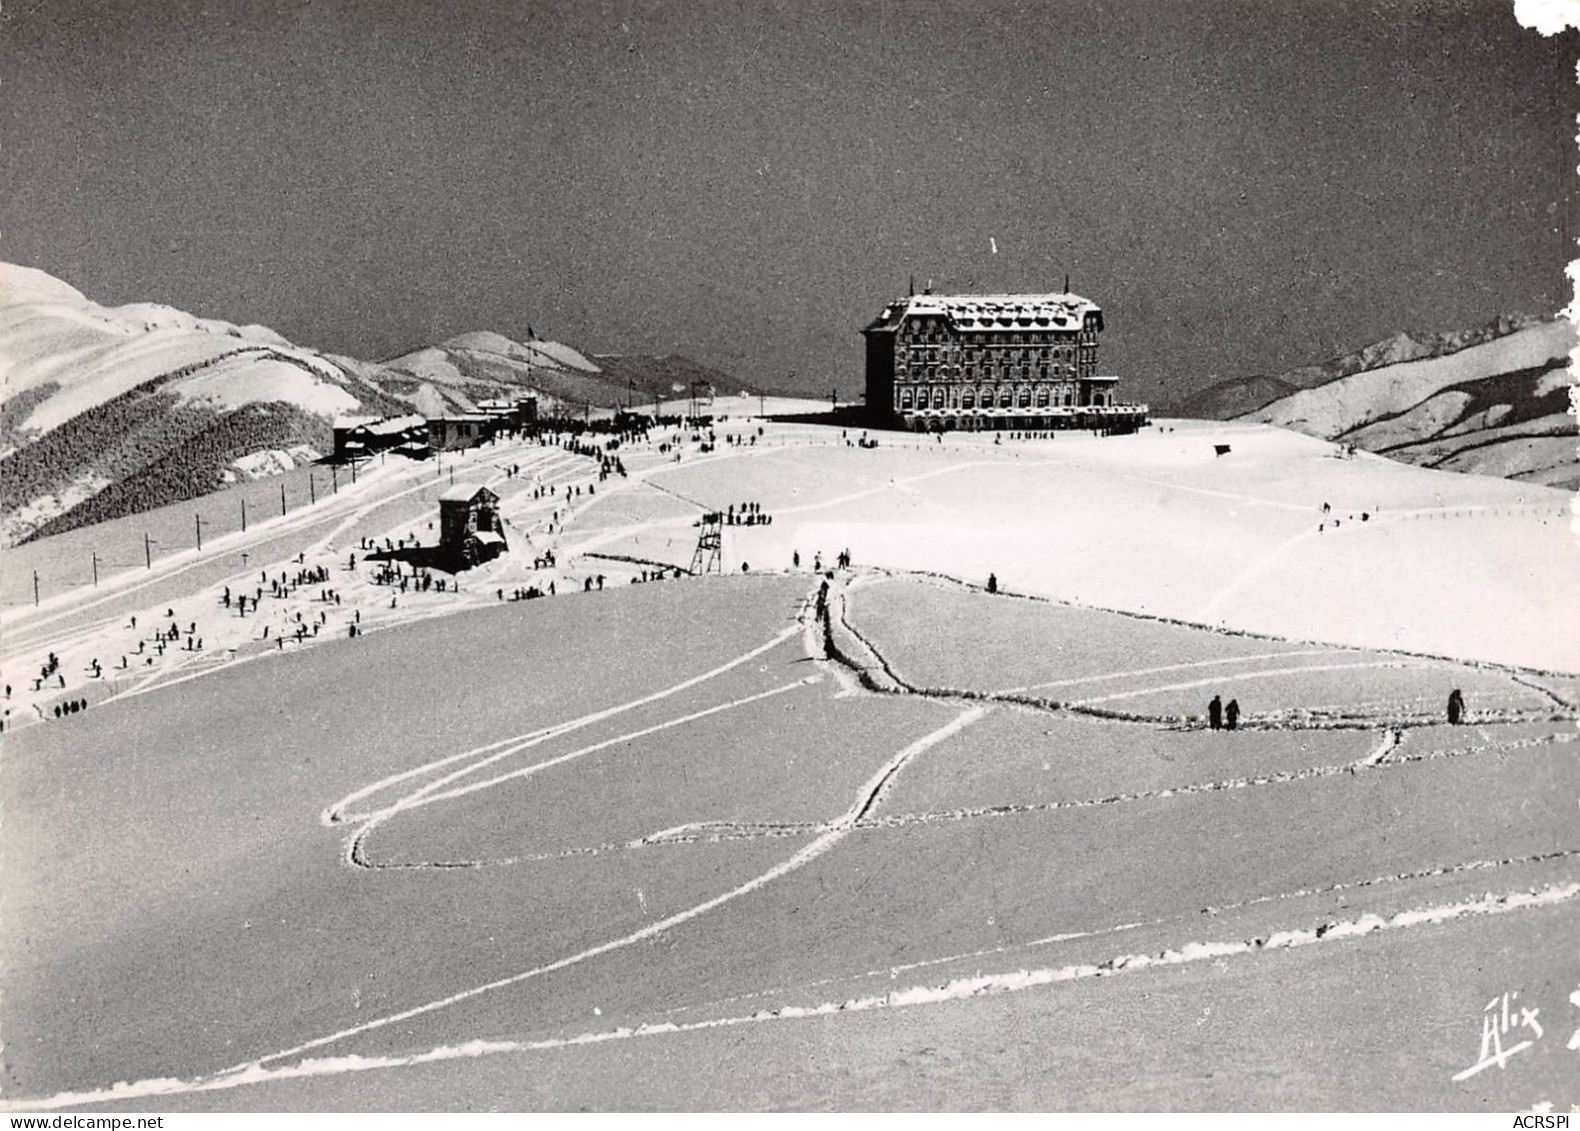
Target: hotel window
(1025, 397)
(905, 396)
(1042, 396)
(1005, 397)
(968, 398)
(938, 398)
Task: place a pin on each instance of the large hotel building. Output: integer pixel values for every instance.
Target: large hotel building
(991, 362)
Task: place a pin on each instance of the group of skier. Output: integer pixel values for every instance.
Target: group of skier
(1220, 717)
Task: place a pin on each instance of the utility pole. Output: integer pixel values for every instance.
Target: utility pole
(282, 495)
(312, 490)
(148, 554)
(197, 520)
(95, 570)
(334, 480)
(243, 523)
(35, 588)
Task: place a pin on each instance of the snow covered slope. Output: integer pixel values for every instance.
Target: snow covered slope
(1159, 524)
(1497, 408)
(144, 398)
(63, 354)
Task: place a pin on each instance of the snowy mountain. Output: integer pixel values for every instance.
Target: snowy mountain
(1241, 396)
(482, 364)
(1497, 406)
(1493, 400)
(108, 411)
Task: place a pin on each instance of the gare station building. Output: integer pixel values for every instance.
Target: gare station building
(992, 362)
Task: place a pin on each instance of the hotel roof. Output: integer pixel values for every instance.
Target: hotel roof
(1062, 311)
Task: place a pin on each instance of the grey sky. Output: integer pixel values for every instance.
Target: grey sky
(1243, 187)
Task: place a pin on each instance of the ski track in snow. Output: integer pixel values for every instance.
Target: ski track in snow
(1076, 681)
(867, 797)
(954, 990)
(1232, 677)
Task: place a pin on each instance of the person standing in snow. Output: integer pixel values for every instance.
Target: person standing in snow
(992, 585)
(1456, 707)
(1231, 715)
(1215, 713)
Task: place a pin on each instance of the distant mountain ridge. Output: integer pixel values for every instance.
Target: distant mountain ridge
(481, 364)
(1494, 400)
(107, 411)
(1239, 396)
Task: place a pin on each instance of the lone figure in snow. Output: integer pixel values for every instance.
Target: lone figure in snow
(1215, 713)
(992, 585)
(1456, 707)
(1231, 715)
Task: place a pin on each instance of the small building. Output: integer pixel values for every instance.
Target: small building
(458, 430)
(359, 436)
(470, 529)
(349, 441)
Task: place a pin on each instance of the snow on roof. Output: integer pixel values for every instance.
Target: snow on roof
(489, 538)
(394, 424)
(1062, 311)
(353, 421)
(463, 493)
(472, 417)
